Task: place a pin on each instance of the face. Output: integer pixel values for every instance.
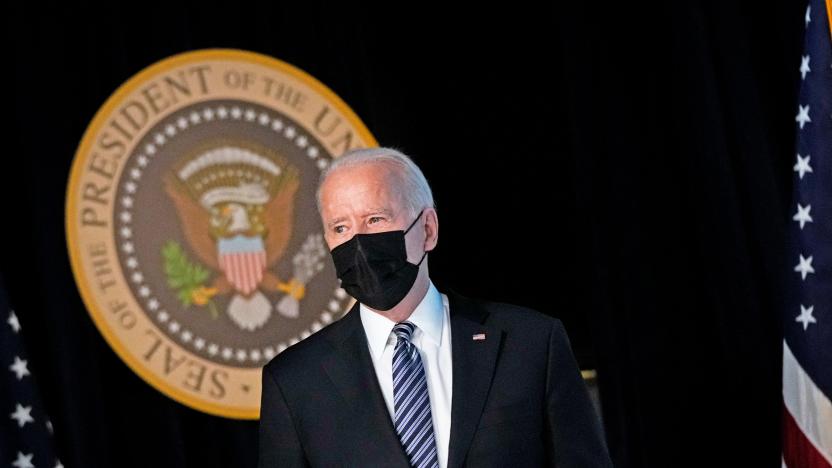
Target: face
(365, 199)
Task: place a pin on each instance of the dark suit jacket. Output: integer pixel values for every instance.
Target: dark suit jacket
(518, 397)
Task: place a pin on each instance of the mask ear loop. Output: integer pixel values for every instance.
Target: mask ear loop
(408, 230)
(414, 222)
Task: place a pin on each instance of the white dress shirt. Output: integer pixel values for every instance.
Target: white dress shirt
(432, 338)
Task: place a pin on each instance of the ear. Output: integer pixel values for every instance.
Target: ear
(431, 229)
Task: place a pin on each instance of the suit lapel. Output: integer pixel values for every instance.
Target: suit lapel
(351, 369)
(473, 369)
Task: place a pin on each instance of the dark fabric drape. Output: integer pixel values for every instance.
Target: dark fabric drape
(623, 167)
(684, 133)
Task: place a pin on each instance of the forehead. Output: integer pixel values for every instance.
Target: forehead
(358, 188)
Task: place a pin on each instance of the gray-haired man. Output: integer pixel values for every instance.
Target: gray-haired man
(411, 376)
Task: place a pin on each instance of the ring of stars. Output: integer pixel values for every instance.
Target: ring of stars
(180, 123)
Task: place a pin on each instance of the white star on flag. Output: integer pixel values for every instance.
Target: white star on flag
(802, 166)
(20, 400)
(23, 461)
(22, 415)
(804, 67)
(13, 322)
(804, 267)
(802, 115)
(19, 367)
(806, 387)
(806, 316)
(802, 216)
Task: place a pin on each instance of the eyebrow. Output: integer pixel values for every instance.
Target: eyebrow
(341, 219)
(336, 221)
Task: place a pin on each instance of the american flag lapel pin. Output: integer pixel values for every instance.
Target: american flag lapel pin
(478, 337)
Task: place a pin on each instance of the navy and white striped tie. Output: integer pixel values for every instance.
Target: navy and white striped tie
(414, 423)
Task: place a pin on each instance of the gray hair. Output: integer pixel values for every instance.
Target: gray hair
(416, 191)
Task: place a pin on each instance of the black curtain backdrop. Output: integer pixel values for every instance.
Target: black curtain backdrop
(623, 167)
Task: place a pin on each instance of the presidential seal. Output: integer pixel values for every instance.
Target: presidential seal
(191, 221)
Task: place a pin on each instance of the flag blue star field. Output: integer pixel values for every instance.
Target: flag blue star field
(25, 431)
(807, 343)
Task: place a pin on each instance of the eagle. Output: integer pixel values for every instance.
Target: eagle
(236, 213)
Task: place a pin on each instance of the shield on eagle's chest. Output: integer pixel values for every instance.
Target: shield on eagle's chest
(243, 260)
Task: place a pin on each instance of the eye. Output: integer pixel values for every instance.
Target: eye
(375, 219)
(339, 229)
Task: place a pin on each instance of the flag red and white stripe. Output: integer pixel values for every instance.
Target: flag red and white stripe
(807, 418)
(244, 270)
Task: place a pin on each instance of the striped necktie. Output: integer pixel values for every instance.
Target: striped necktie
(414, 423)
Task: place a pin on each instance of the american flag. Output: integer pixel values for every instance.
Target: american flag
(25, 431)
(807, 341)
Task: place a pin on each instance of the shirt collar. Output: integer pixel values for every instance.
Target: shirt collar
(428, 317)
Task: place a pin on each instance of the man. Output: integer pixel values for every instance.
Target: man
(410, 376)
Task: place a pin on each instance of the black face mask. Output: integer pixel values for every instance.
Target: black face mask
(373, 268)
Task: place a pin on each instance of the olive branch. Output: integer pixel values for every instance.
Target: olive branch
(187, 278)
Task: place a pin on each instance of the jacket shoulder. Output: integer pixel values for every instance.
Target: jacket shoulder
(298, 358)
(512, 316)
